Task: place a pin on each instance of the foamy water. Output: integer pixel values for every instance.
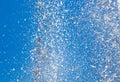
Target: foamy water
(76, 41)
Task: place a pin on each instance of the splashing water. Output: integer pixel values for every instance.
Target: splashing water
(76, 41)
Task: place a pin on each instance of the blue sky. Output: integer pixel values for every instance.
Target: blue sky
(14, 38)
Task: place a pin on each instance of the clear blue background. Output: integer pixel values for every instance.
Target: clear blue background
(14, 20)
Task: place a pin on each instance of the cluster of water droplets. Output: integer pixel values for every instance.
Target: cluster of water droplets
(108, 41)
(76, 41)
(49, 45)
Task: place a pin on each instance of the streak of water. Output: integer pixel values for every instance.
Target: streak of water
(76, 41)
